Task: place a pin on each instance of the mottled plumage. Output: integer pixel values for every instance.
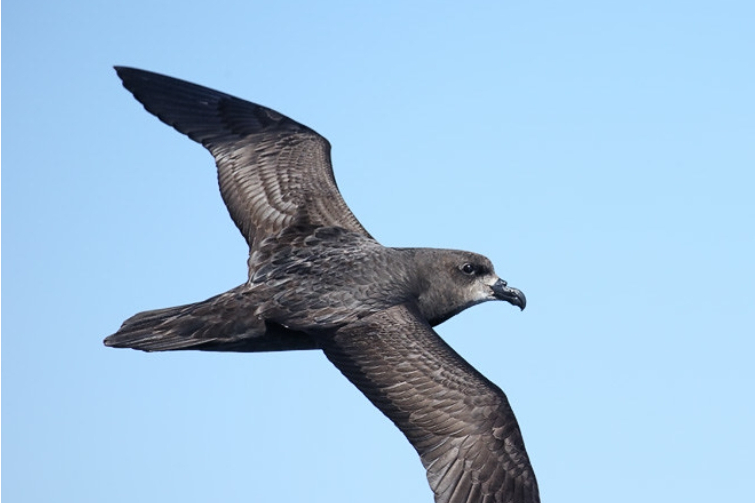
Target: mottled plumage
(318, 280)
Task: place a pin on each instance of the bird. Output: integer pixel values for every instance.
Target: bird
(317, 280)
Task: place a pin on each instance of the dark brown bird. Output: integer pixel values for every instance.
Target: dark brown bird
(318, 280)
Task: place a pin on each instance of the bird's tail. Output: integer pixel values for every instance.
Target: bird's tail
(225, 322)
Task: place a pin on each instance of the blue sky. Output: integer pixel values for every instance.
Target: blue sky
(601, 154)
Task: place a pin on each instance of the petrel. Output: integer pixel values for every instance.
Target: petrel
(318, 280)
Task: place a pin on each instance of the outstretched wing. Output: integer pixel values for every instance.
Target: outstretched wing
(459, 422)
(273, 172)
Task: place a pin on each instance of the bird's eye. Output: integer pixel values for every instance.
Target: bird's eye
(469, 269)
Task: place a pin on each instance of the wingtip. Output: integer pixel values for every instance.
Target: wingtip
(124, 72)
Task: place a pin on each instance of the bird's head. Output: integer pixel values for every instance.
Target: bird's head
(455, 280)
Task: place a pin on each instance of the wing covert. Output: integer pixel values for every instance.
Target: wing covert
(273, 172)
(459, 422)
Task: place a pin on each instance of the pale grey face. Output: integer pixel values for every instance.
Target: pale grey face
(486, 285)
(479, 276)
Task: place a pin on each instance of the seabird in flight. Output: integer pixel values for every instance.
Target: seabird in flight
(318, 280)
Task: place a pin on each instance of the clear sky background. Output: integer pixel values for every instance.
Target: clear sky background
(600, 153)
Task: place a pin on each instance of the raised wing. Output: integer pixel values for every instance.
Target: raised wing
(459, 422)
(273, 172)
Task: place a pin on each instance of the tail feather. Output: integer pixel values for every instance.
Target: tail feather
(225, 322)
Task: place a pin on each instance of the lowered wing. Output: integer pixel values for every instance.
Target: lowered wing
(459, 422)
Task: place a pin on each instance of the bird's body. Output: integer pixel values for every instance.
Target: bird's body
(318, 280)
